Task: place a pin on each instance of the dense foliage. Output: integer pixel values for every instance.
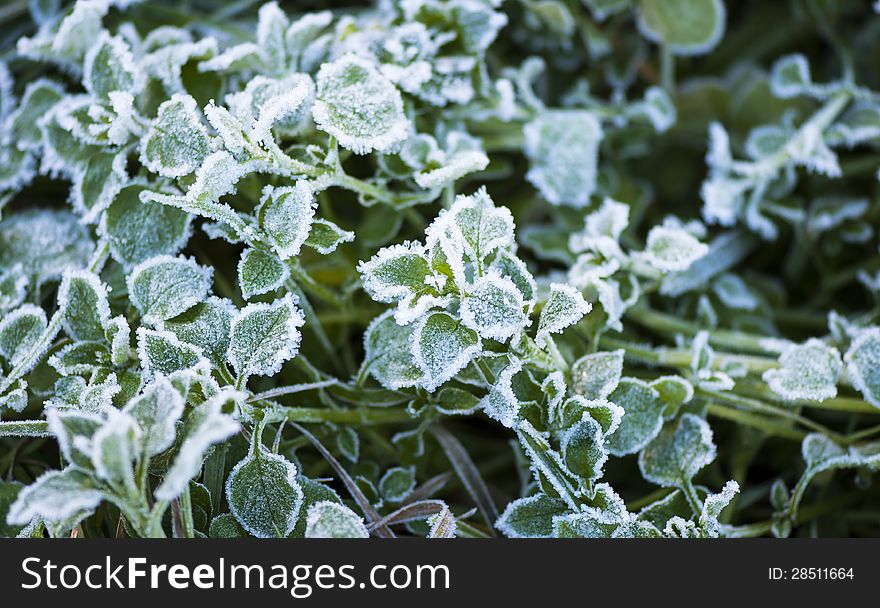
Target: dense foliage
(568, 268)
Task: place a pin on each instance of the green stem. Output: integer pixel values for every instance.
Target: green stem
(364, 416)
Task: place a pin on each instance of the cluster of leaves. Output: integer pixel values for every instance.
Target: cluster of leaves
(611, 264)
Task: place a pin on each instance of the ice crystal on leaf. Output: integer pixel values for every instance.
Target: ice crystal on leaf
(327, 519)
(162, 287)
(264, 495)
(264, 336)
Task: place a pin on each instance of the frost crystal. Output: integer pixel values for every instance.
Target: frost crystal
(163, 287)
(564, 307)
(264, 336)
(327, 519)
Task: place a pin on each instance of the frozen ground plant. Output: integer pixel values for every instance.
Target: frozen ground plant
(443, 268)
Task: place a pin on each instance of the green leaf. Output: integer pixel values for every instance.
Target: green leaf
(441, 347)
(157, 410)
(226, 526)
(583, 448)
(286, 216)
(565, 306)
(260, 272)
(387, 353)
(264, 336)
(177, 142)
(162, 352)
(863, 364)
(642, 418)
(483, 227)
(264, 495)
(329, 519)
(9, 491)
(109, 66)
(531, 517)
(397, 484)
(163, 287)
(563, 149)
(358, 106)
(494, 308)
(206, 325)
(45, 242)
(38, 98)
(595, 376)
(678, 453)
(56, 496)
(20, 331)
(687, 27)
(138, 230)
(325, 236)
(114, 449)
(672, 249)
(807, 371)
(83, 297)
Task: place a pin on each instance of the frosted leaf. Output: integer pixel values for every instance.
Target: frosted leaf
(477, 25)
(642, 418)
(138, 230)
(657, 107)
(67, 40)
(387, 353)
(74, 392)
(687, 27)
(281, 109)
(177, 142)
(260, 272)
(325, 236)
(863, 364)
(511, 267)
(114, 450)
(272, 24)
(55, 496)
(97, 182)
(807, 371)
(264, 336)
(674, 391)
(493, 308)
(157, 411)
(530, 517)
(203, 427)
(205, 325)
(583, 448)
(304, 40)
(358, 106)
(349, 444)
(860, 123)
(109, 66)
(264, 495)
(712, 507)
(398, 273)
(328, 519)
(483, 226)
(79, 358)
(563, 148)
(283, 104)
(441, 347)
(73, 430)
(397, 484)
(166, 63)
(164, 286)
(455, 401)
(286, 215)
(734, 293)
(501, 403)
(45, 242)
(454, 168)
(231, 128)
(564, 307)
(678, 453)
(36, 101)
(20, 330)
(671, 249)
(245, 56)
(162, 352)
(790, 76)
(595, 376)
(83, 297)
(725, 251)
(13, 287)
